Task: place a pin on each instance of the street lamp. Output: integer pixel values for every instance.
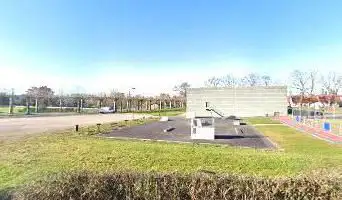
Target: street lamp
(130, 104)
(11, 100)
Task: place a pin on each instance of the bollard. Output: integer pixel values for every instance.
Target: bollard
(76, 127)
(126, 122)
(98, 127)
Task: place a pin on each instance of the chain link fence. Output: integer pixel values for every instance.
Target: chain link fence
(328, 119)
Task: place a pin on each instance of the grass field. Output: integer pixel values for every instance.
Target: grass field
(5, 109)
(167, 113)
(19, 111)
(31, 158)
(261, 120)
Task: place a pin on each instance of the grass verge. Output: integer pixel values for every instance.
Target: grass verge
(165, 112)
(261, 120)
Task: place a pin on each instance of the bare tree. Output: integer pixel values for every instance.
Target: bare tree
(41, 95)
(332, 83)
(79, 99)
(251, 79)
(312, 79)
(300, 81)
(228, 81)
(101, 97)
(116, 96)
(163, 98)
(182, 88)
(304, 82)
(213, 82)
(266, 80)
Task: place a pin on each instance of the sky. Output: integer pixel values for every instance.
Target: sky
(97, 45)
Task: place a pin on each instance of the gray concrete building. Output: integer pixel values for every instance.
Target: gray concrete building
(239, 101)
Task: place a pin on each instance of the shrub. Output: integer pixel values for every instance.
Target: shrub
(5, 195)
(86, 185)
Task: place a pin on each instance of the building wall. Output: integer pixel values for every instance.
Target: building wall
(240, 101)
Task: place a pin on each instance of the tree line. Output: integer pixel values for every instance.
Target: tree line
(43, 97)
(302, 82)
(308, 82)
(251, 80)
(305, 83)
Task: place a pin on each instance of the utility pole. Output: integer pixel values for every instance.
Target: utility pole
(129, 98)
(11, 99)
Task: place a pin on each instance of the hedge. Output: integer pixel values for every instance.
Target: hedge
(201, 186)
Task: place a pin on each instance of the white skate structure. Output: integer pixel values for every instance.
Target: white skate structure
(203, 128)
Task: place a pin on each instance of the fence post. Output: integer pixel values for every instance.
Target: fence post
(60, 105)
(36, 105)
(78, 106)
(28, 106)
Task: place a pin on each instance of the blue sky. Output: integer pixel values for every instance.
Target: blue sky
(152, 44)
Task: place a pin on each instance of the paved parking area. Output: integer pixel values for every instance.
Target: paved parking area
(11, 128)
(225, 133)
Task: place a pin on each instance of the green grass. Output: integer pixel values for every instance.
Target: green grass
(21, 111)
(261, 120)
(5, 109)
(17, 111)
(32, 158)
(165, 112)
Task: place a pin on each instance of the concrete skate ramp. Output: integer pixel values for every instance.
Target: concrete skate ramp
(225, 133)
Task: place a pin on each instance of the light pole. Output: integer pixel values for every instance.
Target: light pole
(130, 104)
(11, 99)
